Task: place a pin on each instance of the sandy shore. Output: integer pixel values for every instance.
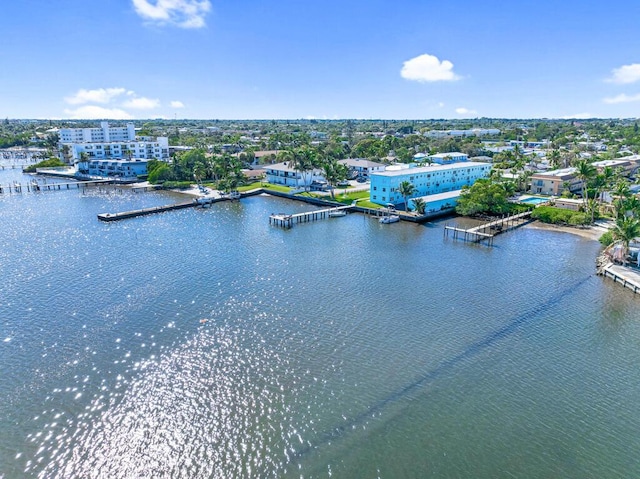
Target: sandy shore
(590, 232)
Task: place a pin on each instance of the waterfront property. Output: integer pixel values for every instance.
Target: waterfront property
(284, 174)
(158, 149)
(125, 169)
(110, 143)
(427, 180)
(554, 182)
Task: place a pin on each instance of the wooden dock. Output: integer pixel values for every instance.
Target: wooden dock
(287, 221)
(488, 231)
(627, 277)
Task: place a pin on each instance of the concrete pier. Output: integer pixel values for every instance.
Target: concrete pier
(627, 277)
(144, 211)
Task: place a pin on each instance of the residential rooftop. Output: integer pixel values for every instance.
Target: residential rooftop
(430, 168)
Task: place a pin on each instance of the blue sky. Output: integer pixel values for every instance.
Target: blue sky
(406, 59)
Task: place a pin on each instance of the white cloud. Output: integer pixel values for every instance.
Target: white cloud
(182, 13)
(465, 111)
(441, 104)
(100, 95)
(94, 112)
(177, 104)
(625, 74)
(428, 68)
(622, 98)
(578, 116)
(142, 103)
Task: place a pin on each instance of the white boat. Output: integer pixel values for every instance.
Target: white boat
(337, 213)
(389, 219)
(205, 200)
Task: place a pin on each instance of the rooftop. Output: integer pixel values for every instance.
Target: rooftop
(431, 168)
(564, 172)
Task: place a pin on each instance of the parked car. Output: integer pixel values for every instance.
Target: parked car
(361, 179)
(319, 185)
(344, 183)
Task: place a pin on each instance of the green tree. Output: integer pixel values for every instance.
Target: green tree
(334, 172)
(419, 205)
(484, 196)
(161, 174)
(555, 158)
(406, 189)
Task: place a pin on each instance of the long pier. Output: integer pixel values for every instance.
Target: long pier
(37, 186)
(15, 166)
(287, 221)
(488, 231)
(201, 202)
(145, 211)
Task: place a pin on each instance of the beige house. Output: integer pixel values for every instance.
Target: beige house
(627, 165)
(553, 183)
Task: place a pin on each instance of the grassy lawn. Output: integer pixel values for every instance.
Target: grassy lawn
(347, 199)
(266, 186)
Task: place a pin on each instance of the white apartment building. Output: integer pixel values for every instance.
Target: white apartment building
(104, 134)
(158, 149)
(109, 142)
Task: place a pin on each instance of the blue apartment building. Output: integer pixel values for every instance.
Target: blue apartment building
(428, 181)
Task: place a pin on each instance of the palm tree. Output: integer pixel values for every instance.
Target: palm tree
(626, 229)
(585, 171)
(622, 193)
(334, 172)
(554, 158)
(420, 205)
(406, 189)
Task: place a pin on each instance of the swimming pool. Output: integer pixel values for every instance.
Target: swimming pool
(534, 200)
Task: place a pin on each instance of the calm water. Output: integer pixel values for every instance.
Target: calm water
(207, 343)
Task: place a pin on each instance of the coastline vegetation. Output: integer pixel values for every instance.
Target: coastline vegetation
(50, 163)
(560, 216)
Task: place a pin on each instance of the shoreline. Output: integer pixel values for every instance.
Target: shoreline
(590, 232)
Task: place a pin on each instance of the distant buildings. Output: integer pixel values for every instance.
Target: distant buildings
(108, 142)
(104, 134)
(448, 158)
(627, 165)
(361, 167)
(428, 180)
(454, 133)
